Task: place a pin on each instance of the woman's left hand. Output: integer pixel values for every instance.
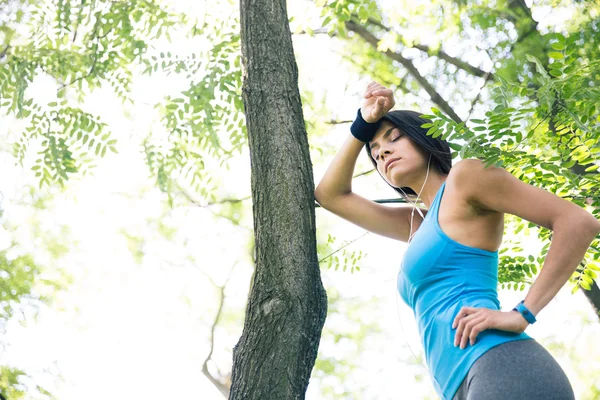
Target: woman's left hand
(471, 320)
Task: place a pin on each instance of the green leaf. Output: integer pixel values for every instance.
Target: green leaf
(585, 285)
(539, 66)
(587, 278)
(593, 266)
(363, 13)
(555, 72)
(575, 288)
(556, 55)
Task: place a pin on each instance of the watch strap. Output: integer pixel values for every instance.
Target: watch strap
(528, 315)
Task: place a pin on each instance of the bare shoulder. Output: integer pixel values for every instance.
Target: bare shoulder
(459, 183)
(457, 172)
(495, 190)
(465, 168)
(450, 181)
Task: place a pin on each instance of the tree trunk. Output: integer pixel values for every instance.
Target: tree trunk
(287, 304)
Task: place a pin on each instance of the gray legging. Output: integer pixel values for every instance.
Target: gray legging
(516, 370)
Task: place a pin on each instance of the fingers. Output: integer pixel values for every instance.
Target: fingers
(369, 88)
(371, 84)
(375, 89)
(382, 92)
(463, 328)
(380, 99)
(378, 106)
(464, 311)
(378, 91)
(471, 330)
(469, 322)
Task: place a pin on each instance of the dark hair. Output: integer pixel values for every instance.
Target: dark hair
(409, 122)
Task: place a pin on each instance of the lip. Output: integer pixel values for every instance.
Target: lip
(387, 164)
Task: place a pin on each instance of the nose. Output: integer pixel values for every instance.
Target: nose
(384, 153)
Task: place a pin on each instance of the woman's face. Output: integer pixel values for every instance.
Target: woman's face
(391, 144)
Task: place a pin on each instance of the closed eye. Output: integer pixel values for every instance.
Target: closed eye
(393, 140)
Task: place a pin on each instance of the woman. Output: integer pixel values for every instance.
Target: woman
(449, 273)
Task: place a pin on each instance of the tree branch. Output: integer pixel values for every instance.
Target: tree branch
(460, 64)
(367, 71)
(90, 72)
(339, 122)
(457, 62)
(486, 78)
(223, 383)
(3, 53)
(222, 201)
(406, 63)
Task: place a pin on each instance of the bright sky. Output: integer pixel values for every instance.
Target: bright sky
(128, 330)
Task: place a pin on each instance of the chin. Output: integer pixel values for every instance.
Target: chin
(395, 183)
(395, 178)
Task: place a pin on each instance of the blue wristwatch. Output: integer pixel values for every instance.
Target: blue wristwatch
(528, 315)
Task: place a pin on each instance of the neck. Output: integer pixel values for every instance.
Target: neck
(432, 186)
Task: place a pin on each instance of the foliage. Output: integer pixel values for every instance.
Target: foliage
(10, 386)
(211, 105)
(539, 135)
(544, 117)
(28, 280)
(333, 259)
(349, 312)
(81, 46)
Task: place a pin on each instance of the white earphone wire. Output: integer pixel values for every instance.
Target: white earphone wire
(410, 236)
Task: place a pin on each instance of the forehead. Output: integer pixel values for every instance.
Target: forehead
(383, 127)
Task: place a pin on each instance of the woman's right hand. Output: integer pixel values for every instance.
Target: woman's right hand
(379, 100)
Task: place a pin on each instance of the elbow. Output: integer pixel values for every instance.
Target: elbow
(324, 197)
(583, 222)
(326, 193)
(317, 191)
(592, 225)
(319, 196)
(597, 226)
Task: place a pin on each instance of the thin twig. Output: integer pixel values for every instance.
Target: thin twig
(3, 53)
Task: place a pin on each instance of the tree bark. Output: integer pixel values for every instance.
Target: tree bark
(287, 304)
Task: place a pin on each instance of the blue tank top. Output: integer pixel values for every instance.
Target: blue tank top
(437, 277)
